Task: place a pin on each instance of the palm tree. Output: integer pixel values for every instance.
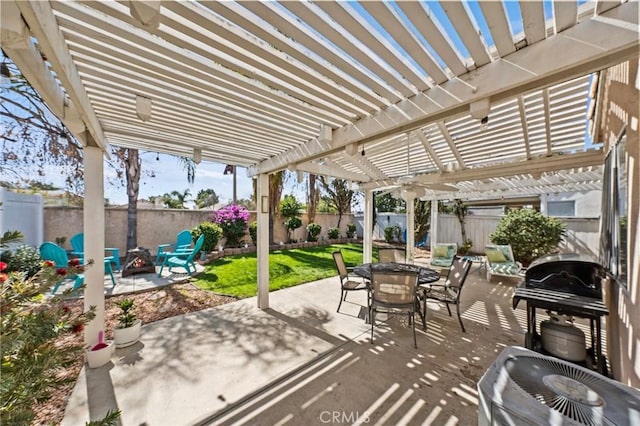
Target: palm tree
(207, 198)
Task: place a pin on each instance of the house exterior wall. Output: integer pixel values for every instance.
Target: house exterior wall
(620, 106)
(160, 226)
(587, 203)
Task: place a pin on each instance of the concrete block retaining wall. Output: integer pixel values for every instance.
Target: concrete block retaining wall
(160, 226)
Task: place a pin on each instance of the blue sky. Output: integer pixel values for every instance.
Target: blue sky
(170, 176)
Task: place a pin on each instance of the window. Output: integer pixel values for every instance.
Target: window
(613, 224)
(561, 208)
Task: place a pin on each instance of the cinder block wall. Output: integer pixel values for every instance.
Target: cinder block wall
(160, 226)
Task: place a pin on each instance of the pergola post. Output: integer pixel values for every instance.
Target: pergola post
(262, 249)
(93, 226)
(408, 196)
(433, 230)
(410, 254)
(367, 232)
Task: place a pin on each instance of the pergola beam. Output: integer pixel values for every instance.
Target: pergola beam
(18, 45)
(427, 146)
(533, 166)
(452, 145)
(331, 170)
(42, 23)
(594, 44)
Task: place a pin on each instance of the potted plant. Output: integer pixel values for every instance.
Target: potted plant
(127, 331)
(99, 354)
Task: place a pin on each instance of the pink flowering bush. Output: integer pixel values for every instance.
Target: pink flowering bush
(233, 221)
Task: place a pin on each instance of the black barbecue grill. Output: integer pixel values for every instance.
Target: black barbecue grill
(566, 284)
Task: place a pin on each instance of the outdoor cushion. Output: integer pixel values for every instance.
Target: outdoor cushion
(496, 256)
(441, 251)
(505, 269)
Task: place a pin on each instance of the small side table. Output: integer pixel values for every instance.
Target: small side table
(481, 262)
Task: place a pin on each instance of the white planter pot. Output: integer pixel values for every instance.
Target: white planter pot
(100, 357)
(124, 337)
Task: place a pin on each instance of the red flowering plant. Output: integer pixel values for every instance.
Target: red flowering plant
(32, 327)
(233, 221)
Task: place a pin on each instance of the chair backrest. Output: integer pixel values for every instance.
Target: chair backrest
(457, 276)
(443, 254)
(340, 265)
(183, 239)
(55, 253)
(394, 287)
(196, 248)
(77, 242)
(500, 260)
(499, 254)
(390, 254)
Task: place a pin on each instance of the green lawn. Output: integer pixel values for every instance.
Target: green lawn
(236, 275)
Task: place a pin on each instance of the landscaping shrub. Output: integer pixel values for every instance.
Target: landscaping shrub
(334, 233)
(291, 224)
(530, 234)
(313, 230)
(212, 233)
(290, 209)
(253, 232)
(392, 233)
(233, 221)
(351, 230)
(24, 259)
(464, 248)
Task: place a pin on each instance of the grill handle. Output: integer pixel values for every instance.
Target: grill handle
(565, 275)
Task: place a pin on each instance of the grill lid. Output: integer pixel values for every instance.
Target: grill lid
(567, 272)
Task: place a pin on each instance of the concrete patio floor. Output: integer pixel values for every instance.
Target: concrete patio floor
(136, 282)
(300, 362)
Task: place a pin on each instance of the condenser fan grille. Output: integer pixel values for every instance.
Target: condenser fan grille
(579, 395)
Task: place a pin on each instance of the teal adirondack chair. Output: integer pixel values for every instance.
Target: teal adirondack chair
(183, 242)
(424, 243)
(58, 255)
(77, 243)
(182, 259)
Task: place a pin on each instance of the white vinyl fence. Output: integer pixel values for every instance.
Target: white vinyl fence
(583, 234)
(24, 213)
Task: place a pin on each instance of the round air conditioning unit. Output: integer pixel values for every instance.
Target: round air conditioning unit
(523, 387)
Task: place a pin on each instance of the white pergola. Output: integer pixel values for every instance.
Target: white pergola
(435, 100)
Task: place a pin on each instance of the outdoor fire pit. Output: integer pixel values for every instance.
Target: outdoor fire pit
(138, 261)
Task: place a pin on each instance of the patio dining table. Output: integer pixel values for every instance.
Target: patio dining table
(425, 276)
